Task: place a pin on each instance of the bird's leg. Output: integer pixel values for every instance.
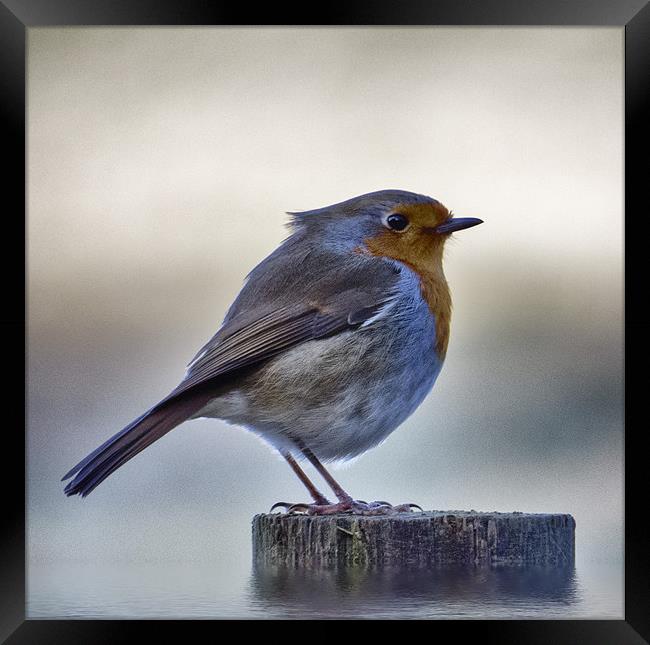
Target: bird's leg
(346, 503)
(341, 495)
(317, 496)
(322, 505)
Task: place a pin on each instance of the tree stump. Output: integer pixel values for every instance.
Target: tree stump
(414, 539)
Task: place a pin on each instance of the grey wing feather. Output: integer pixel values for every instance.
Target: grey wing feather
(294, 295)
(272, 334)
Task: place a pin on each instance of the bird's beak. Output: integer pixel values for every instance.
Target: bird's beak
(457, 224)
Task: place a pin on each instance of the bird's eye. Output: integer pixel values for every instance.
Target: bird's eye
(397, 222)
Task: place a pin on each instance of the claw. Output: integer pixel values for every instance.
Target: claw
(352, 507)
(279, 505)
(406, 508)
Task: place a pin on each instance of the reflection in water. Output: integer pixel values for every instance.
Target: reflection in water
(227, 589)
(455, 591)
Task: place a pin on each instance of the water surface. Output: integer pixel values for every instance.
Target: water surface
(213, 590)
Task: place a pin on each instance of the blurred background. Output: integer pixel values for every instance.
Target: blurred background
(160, 166)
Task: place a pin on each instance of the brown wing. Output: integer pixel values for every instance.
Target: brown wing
(238, 345)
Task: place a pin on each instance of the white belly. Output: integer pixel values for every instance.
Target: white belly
(339, 396)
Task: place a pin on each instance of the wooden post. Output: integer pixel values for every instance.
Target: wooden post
(414, 539)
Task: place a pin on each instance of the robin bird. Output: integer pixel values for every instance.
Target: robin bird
(333, 341)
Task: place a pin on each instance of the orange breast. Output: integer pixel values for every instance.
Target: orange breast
(433, 285)
(435, 292)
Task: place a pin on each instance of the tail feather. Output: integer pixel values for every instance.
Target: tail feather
(140, 433)
(106, 445)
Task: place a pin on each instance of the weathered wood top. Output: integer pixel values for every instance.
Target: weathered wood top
(420, 539)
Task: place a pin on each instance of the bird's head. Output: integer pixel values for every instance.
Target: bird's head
(397, 224)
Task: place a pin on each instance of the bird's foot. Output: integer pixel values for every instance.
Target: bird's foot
(348, 507)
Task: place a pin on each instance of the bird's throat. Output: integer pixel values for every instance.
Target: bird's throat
(435, 292)
(433, 284)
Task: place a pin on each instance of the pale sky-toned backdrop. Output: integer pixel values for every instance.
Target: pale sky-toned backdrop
(160, 165)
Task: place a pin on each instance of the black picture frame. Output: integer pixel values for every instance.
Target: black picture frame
(16, 16)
